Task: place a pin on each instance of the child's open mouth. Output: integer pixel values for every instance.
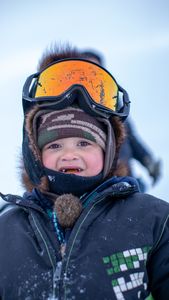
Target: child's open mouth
(71, 170)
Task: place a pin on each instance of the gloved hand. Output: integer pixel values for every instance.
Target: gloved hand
(154, 168)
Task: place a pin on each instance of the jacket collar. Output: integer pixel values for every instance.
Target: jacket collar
(116, 187)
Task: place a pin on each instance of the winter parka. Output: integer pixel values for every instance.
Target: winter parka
(117, 249)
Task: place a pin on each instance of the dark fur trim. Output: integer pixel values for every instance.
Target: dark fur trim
(29, 186)
(28, 126)
(26, 182)
(55, 53)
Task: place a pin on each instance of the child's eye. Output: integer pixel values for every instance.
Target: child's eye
(54, 146)
(83, 143)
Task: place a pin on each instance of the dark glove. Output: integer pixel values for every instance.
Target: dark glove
(154, 168)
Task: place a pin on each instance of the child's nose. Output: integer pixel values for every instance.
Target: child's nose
(69, 155)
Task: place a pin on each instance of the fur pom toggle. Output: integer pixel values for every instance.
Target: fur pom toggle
(68, 209)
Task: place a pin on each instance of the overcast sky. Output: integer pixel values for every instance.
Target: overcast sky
(133, 35)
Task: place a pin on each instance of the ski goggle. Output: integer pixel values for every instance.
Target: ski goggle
(62, 79)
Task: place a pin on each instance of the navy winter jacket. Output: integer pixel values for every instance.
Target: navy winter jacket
(118, 248)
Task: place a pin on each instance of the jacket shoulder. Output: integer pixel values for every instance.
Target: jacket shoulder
(8, 202)
(151, 201)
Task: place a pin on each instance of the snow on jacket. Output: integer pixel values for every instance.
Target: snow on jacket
(118, 248)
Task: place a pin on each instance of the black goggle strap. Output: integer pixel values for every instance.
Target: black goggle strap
(123, 100)
(30, 87)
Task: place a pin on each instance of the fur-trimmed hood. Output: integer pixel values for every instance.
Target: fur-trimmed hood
(32, 169)
(31, 162)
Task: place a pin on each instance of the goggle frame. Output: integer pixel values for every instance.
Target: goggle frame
(68, 97)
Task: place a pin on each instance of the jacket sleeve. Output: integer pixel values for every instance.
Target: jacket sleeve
(158, 264)
(139, 149)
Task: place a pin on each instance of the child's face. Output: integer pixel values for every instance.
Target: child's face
(73, 155)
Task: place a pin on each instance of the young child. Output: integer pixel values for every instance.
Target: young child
(79, 231)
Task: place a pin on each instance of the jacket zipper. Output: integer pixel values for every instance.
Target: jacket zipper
(71, 248)
(56, 270)
(59, 269)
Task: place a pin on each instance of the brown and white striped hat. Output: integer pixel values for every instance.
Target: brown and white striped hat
(70, 122)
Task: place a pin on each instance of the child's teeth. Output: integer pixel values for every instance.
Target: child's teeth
(70, 170)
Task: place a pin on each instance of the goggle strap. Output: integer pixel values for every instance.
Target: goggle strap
(29, 85)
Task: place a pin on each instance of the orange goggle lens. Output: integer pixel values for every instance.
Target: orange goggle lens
(59, 77)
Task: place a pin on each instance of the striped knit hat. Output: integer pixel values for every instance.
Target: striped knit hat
(70, 122)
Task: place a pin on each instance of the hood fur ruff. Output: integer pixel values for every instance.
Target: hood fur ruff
(116, 169)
